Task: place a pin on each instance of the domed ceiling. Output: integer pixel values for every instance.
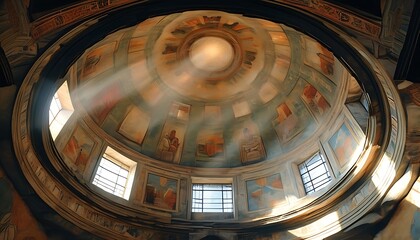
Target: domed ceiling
(207, 98)
(209, 89)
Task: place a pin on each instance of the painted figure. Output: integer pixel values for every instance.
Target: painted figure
(252, 148)
(168, 146)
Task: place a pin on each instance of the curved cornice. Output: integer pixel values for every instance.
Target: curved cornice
(87, 9)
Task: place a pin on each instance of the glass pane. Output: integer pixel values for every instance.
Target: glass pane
(212, 194)
(123, 172)
(54, 108)
(212, 187)
(227, 194)
(228, 205)
(111, 177)
(314, 173)
(122, 181)
(213, 198)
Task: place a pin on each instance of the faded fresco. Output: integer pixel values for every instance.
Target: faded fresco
(266, 192)
(137, 44)
(210, 145)
(213, 114)
(287, 124)
(180, 111)
(135, 125)
(241, 109)
(161, 115)
(251, 146)
(173, 47)
(318, 57)
(79, 148)
(161, 192)
(171, 141)
(16, 222)
(281, 63)
(267, 92)
(343, 144)
(315, 101)
(101, 104)
(99, 60)
(151, 93)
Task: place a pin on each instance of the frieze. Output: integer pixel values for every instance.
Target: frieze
(56, 20)
(338, 15)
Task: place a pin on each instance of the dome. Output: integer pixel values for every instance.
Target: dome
(209, 89)
(208, 119)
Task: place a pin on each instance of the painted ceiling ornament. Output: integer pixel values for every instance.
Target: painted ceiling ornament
(209, 55)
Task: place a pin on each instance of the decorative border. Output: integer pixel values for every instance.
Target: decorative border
(72, 14)
(338, 15)
(77, 12)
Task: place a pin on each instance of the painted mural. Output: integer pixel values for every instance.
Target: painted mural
(161, 192)
(286, 124)
(151, 93)
(318, 57)
(315, 101)
(169, 147)
(343, 145)
(250, 143)
(79, 148)
(241, 109)
(16, 222)
(101, 103)
(99, 60)
(135, 125)
(213, 114)
(267, 92)
(180, 111)
(266, 192)
(174, 113)
(171, 53)
(137, 44)
(279, 37)
(282, 52)
(171, 141)
(210, 145)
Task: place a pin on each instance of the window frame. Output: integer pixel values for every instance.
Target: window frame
(61, 100)
(325, 163)
(101, 180)
(213, 216)
(122, 162)
(221, 201)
